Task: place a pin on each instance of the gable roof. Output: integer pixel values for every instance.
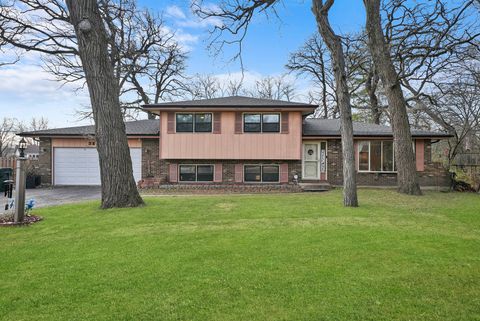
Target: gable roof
(312, 127)
(146, 127)
(331, 128)
(232, 101)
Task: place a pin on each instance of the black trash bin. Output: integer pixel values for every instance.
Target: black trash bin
(5, 175)
(33, 181)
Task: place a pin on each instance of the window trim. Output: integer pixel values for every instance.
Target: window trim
(196, 173)
(261, 122)
(193, 122)
(369, 158)
(261, 174)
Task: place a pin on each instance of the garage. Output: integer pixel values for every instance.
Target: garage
(79, 166)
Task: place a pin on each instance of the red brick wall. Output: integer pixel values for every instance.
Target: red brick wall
(433, 175)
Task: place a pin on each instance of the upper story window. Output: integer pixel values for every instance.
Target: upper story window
(194, 122)
(376, 156)
(261, 123)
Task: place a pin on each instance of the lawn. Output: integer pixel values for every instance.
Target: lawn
(262, 257)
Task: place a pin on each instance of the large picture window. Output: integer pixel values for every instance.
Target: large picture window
(258, 123)
(194, 122)
(376, 156)
(261, 173)
(196, 173)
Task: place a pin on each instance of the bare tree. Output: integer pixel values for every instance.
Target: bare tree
(334, 44)
(34, 124)
(118, 185)
(148, 63)
(429, 41)
(236, 16)
(7, 135)
(405, 159)
(202, 87)
(456, 105)
(279, 88)
(313, 59)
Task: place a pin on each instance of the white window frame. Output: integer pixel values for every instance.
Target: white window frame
(261, 174)
(369, 158)
(196, 173)
(261, 122)
(193, 115)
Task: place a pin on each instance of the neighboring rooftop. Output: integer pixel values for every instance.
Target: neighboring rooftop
(147, 127)
(331, 127)
(232, 102)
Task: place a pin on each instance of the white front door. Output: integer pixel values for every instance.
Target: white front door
(315, 161)
(79, 166)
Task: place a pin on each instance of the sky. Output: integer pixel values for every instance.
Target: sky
(27, 91)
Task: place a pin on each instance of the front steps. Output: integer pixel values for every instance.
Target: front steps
(315, 186)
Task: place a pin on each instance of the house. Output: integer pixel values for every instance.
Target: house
(236, 140)
(31, 152)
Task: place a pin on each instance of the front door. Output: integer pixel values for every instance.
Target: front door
(315, 161)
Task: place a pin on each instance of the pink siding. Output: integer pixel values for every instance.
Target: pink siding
(83, 142)
(355, 148)
(173, 173)
(238, 173)
(420, 154)
(218, 173)
(229, 145)
(284, 173)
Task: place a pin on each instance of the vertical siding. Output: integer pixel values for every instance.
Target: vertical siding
(83, 142)
(420, 154)
(229, 145)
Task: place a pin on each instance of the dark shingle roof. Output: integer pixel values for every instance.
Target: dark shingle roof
(331, 127)
(147, 127)
(233, 101)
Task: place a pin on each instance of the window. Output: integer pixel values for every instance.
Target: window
(204, 173)
(376, 156)
(252, 123)
(198, 123)
(388, 152)
(203, 123)
(253, 173)
(261, 173)
(184, 123)
(257, 123)
(363, 151)
(270, 174)
(196, 173)
(270, 123)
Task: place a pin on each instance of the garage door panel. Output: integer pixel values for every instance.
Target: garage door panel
(79, 166)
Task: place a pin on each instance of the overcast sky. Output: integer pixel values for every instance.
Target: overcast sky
(27, 91)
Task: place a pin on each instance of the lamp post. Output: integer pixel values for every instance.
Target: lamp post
(20, 183)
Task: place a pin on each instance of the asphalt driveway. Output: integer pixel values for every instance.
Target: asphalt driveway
(63, 195)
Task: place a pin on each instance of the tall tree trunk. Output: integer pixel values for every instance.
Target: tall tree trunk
(334, 45)
(404, 156)
(371, 88)
(118, 185)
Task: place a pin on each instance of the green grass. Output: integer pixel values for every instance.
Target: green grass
(263, 257)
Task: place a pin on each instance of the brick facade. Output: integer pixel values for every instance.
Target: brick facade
(433, 175)
(45, 161)
(155, 171)
(160, 167)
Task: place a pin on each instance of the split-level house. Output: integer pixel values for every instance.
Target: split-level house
(236, 140)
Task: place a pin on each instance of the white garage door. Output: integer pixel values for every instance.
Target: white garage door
(79, 166)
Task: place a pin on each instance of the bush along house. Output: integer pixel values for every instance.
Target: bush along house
(237, 141)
